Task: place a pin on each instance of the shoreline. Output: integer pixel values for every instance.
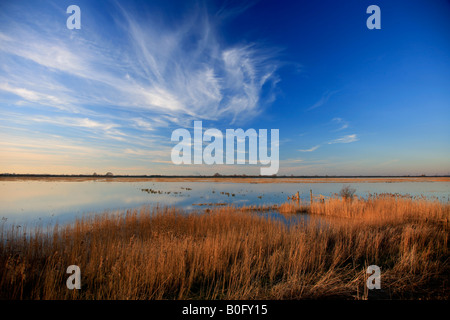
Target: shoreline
(227, 179)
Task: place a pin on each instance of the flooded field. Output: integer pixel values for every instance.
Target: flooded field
(28, 201)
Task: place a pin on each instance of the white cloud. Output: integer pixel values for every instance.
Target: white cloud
(341, 122)
(33, 96)
(190, 73)
(121, 92)
(345, 139)
(143, 124)
(310, 149)
(180, 71)
(77, 122)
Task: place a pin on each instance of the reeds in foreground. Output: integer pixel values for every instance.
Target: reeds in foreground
(229, 253)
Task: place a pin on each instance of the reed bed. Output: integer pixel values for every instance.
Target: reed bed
(236, 253)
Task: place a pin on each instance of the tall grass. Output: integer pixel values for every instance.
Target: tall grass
(231, 253)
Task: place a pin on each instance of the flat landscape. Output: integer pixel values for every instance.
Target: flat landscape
(225, 154)
(237, 179)
(238, 253)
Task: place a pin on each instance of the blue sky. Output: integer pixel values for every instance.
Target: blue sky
(347, 100)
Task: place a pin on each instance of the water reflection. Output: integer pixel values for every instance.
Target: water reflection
(62, 201)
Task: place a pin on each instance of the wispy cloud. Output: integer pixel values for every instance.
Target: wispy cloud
(310, 149)
(345, 139)
(107, 129)
(122, 87)
(341, 123)
(189, 73)
(323, 100)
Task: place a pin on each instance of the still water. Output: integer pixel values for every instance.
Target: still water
(30, 201)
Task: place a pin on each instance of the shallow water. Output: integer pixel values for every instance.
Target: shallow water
(33, 201)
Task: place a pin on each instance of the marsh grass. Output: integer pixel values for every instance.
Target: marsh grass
(235, 253)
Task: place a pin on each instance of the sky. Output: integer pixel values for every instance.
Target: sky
(346, 99)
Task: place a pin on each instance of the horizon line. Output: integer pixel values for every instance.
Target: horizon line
(218, 175)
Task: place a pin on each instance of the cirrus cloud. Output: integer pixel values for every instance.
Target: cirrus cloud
(345, 139)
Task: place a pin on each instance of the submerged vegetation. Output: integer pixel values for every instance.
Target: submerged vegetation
(237, 253)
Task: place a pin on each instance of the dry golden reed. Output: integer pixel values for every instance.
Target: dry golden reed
(233, 253)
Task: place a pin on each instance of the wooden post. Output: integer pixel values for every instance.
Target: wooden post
(310, 196)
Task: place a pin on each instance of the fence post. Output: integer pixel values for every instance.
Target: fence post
(310, 196)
